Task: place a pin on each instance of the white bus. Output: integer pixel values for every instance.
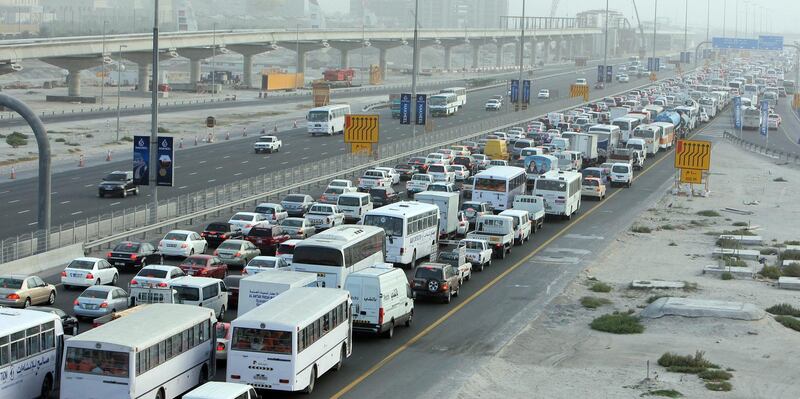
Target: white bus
(626, 125)
(499, 185)
(30, 353)
(460, 92)
(287, 343)
(327, 120)
(411, 230)
(651, 134)
(160, 352)
(443, 104)
(339, 251)
(561, 192)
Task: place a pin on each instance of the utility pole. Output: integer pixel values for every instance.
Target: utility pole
(655, 16)
(685, 26)
(120, 66)
(605, 47)
(521, 56)
(708, 19)
(103, 65)
(414, 67)
(213, 58)
(724, 16)
(736, 21)
(154, 119)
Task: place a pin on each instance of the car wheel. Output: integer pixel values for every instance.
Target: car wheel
(124, 193)
(388, 334)
(27, 303)
(47, 387)
(191, 252)
(136, 191)
(410, 319)
(342, 356)
(115, 279)
(502, 253)
(52, 298)
(458, 291)
(98, 282)
(313, 378)
(448, 298)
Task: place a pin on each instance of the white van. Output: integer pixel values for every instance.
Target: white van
(534, 205)
(522, 224)
(222, 390)
(621, 173)
(381, 298)
(205, 292)
(354, 205)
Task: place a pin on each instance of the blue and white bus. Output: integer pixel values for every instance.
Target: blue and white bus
(443, 104)
(31, 344)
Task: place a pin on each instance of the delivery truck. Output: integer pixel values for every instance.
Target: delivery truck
(448, 209)
(584, 143)
(262, 287)
(281, 81)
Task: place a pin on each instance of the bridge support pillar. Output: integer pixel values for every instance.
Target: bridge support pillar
(476, 52)
(248, 51)
(196, 55)
(517, 55)
(533, 52)
(383, 48)
(144, 77)
(499, 54)
(546, 50)
(344, 48)
(448, 57)
(74, 66)
(559, 53)
(144, 61)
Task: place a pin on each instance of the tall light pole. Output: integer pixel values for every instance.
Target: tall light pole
(154, 118)
(655, 17)
(708, 19)
(605, 48)
(736, 21)
(521, 56)
(724, 16)
(120, 66)
(103, 65)
(414, 67)
(213, 58)
(746, 4)
(685, 26)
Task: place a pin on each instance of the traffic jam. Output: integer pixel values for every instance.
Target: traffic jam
(277, 292)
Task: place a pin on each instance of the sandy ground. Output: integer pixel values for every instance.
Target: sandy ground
(559, 356)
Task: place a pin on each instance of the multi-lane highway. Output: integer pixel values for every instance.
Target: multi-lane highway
(786, 138)
(74, 194)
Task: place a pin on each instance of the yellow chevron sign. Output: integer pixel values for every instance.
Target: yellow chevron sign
(361, 128)
(693, 154)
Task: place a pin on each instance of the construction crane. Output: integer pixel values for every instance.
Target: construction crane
(553, 8)
(641, 31)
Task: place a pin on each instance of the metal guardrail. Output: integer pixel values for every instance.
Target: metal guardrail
(762, 150)
(115, 226)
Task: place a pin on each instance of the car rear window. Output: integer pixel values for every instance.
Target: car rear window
(187, 293)
(427, 272)
(194, 261)
(590, 182)
(242, 217)
(619, 169)
(230, 245)
(218, 227)
(270, 263)
(349, 201)
(294, 198)
(232, 281)
(265, 210)
(436, 169)
(261, 232)
(292, 222)
(287, 249)
(81, 264)
(152, 273)
(94, 294)
(10, 282)
(129, 247)
(176, 236)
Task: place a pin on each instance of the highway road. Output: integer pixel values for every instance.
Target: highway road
(786, 138)
(74, 193)
(446, 342)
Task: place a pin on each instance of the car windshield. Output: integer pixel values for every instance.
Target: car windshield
(393, 226)
(81, 264)
(334, 190)
(318, 116)
(116, 177)
(194, 261)
(292, 222)
(176, 236)
(218, 227)
(427, 272)
(619, 169)
(152, 273)
(294, 198)
(270, 263)
(244, 217)
(129, 247)
(94, 294)
(11, 283)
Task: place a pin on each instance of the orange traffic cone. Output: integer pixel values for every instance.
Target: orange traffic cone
(81, 162)
(108, 156)
(13, 173)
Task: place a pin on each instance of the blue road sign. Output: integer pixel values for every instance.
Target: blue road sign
(514, 90)
(658, 64)
(405, 109)
(770, 43)
(600, 74)
(526, 91)
(722, 42)
(737, 112)
(764, 118)
(609, 74)
(746, 44)
(165, 162)
(649, 63)
(141, 160)
(421, 108)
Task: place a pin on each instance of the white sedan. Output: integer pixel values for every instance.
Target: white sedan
(461, 172)
(493, 105)
(244, 221)
(623, 78)
(85, 272)
(544, 94)
(182, 243)
(774, 121)
(155, 276)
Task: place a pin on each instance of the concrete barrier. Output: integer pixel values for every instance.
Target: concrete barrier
(47, 260)
(738, 253)
(742, 239)
(789, 283)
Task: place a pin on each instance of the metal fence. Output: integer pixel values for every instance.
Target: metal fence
(763, 150)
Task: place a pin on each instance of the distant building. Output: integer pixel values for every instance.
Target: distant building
(18, 17)
(432, 14)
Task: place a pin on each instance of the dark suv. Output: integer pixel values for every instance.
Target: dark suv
(266, 237)
(117, 183)
(437, 280)
(217, 232)
(383, 196)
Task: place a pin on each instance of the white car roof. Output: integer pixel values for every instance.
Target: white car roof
(179, 232)
(159, 267)
(88, 258)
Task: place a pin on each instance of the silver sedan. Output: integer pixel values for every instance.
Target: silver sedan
(99, 301)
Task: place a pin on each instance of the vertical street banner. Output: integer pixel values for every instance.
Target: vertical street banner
(609, 73)
(657, 64)
(764, 118)
(526, 91)
(600, 72)
(737, 112)
(141, 160)
(514, 90)
(405, 109)
(421, 109)
(165, 162)
(649, 63)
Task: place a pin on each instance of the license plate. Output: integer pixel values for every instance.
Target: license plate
(119, 263)
(91, 307)
(172, 245)
(75, 275)
(315, 222)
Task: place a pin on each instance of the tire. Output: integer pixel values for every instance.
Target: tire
(413, 260)
(410, 319)
(52, 298)
(47, 387)
(136, 191)
(480, 267)
(449, 297)
(144, 263)
(388, 334)
(191, 252)
(27, 303)
(124, 193)
(458, 291)
(311, 381)
(503, 253)
(342, 355)
(115, 279)
(160, 394)
(221, 314)
(203, 376)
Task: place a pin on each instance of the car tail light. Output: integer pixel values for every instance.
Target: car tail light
(380, 315)
(108, 255)
(161, 243)
(283, 381)
(274, 216)
(238, 254)
(247, 226)
(104, 305)
(89, 276)
(133, 256)
(13, 296)
(216, 252)
(184, 245)
(63, 274)
(203, 234)
(235, 376)
(75, 302)
(220, 346)
(134, 282)
(445, 287)
(162, 284)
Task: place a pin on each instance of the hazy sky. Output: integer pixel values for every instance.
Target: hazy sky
(781, 15)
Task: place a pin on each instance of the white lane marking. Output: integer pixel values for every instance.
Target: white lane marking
(303, 158)
(262, 168)
(182, 187)
(177, 167)
(13, 201)
(76, 213)
(64, 202)
(53, 193)
(324, 153)
(284, 163)
(324, 144)
(341, 149)
(89, 185)
(192, 174)
(115, 203)
(237, 174)
(25, 211)
(75, 178)
(218, 167)
(32, 224)
(8, 191)
(287, 152)
(244, 162)
(212, 180)
(306, 148)
(202, 162)
(226, 157)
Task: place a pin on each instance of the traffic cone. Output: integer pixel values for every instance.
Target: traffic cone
(244, 132)
(108, 156)
(195, 141)
(13, 173)
(294, 125)
(227, 135)
(81, 161)
(276, 128)
(180, 143)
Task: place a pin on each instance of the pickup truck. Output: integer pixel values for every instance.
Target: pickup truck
(497, 230)
(478, 252)
(324, 216)
(534, 205)
(457, 257)
(268, 144)
(626, 155)
(418, 183)
(374, 178)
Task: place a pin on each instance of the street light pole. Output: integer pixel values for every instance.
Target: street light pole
(655, 17)
(521, 56)
(685, 26)
(736, 21)
(103, 65)
(414, 67)
(708, 19)
(154, 118)
(213, 58)
(724, 16)
(605, 48)
(120, 65)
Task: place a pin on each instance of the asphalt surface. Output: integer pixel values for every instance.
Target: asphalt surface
(786, 138)
(74, 193)
(446, 342)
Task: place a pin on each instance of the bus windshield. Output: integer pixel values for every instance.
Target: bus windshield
(439, 100)
(318, 116)
(393, 226)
